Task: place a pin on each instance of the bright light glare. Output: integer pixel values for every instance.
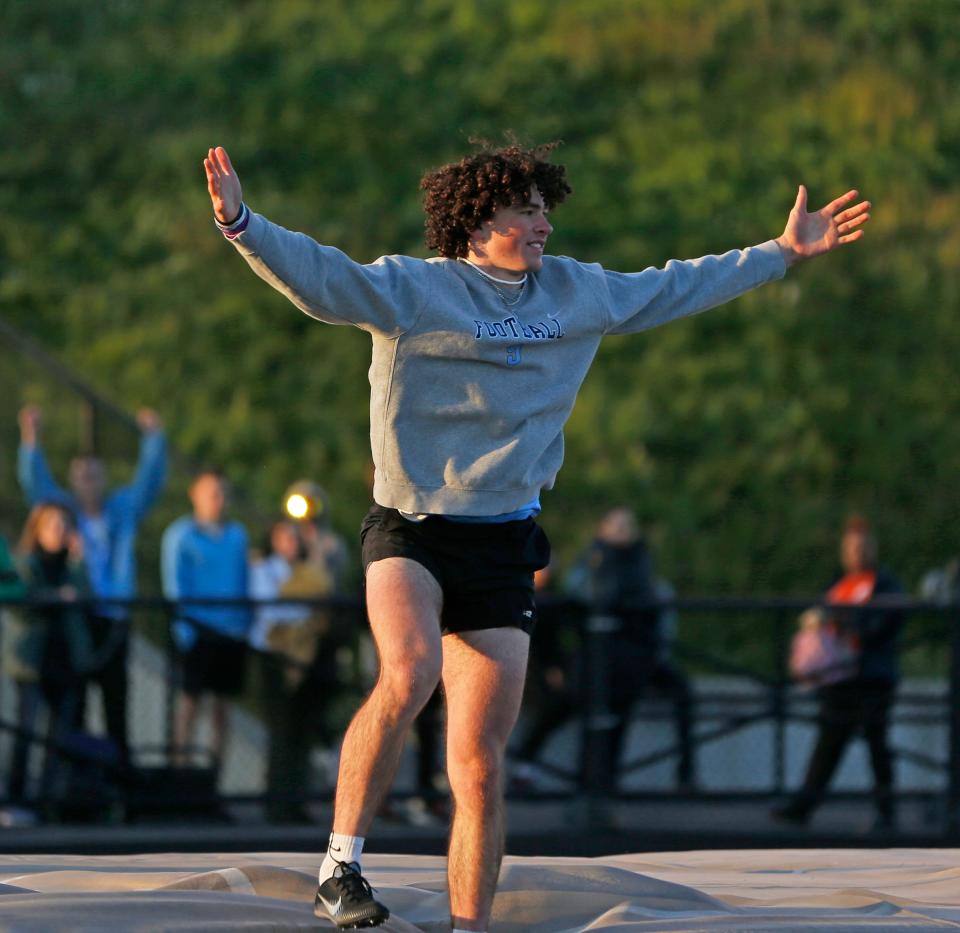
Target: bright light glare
(297, 506)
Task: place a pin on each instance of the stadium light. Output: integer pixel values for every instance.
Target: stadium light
(305, 500)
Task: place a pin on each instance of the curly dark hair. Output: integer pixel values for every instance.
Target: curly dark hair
(460, 196)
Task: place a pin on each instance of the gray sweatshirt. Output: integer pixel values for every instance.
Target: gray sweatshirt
(468, 396)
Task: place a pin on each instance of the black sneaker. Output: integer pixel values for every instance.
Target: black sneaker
(347, 899)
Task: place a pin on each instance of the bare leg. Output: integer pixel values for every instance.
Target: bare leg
(403, 602)
(220, 727)
(483, 676)
(183, 728)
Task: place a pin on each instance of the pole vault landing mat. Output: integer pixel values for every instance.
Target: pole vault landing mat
(784, 891)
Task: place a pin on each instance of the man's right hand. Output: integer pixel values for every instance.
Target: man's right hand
(30, 419)
(148, 421)
(223, 185)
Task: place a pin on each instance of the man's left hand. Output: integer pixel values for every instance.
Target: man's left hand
(808, 235)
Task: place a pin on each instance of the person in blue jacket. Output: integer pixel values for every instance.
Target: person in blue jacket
(205, 557)
(108, 521)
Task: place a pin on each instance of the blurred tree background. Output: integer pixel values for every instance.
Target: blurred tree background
(743, 436)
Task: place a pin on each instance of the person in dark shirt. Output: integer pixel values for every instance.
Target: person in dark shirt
(54, 647)
(860, 700)
(553, 677)
(11, 586)
(615, 577)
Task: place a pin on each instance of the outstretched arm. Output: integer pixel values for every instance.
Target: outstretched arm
(808, 235)
(223, 185)
(646, 299)
(385, 296)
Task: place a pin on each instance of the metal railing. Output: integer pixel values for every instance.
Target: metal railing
(768, 696)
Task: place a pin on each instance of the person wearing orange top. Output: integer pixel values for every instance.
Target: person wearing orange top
(861, 699)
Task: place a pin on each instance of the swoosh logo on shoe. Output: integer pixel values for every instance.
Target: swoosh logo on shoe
(334, 908)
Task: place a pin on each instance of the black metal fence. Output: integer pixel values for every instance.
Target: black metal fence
(928, 649)
(752, 639)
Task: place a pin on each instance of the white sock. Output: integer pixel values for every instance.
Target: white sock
(341, 848)
(458, 930)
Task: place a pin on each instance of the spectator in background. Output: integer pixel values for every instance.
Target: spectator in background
(11, 587)
(942, 584)
(861, 699)
(52, 649)
(205, 557)
(552, 691)
(615, 576)
(555, 679)
(308, 504)
(108, 523)
(296, 666)
(668, 680)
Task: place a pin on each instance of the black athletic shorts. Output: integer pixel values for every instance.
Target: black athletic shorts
(213, 664)
(485, 570)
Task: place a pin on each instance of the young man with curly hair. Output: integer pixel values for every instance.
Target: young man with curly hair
(477, 358)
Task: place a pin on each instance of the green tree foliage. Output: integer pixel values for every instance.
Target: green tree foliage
(743, 436)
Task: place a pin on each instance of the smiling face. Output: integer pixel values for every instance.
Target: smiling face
(513, 241)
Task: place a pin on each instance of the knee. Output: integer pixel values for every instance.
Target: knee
(475, 770)
(406, 685)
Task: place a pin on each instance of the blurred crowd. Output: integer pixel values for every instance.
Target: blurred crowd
(75, 564)
(75, 561)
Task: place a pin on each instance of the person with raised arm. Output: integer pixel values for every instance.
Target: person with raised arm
(108, 521)
(478, 354)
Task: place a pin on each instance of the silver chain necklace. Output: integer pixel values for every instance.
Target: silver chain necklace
(509, 302)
